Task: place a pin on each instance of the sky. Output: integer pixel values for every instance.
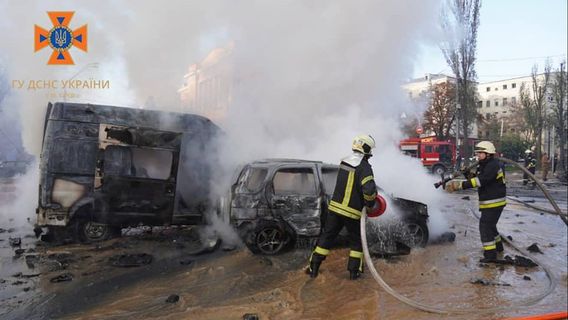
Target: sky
(513, 35)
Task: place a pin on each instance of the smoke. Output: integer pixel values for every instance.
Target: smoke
(309, 75)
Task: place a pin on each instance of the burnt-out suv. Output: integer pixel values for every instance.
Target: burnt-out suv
(278, 202)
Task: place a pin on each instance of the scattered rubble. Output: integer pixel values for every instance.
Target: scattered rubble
(487, 282)
(62, 278)
(186, 261)
(534, 248)
(14, 242)
(172, 298)
(527, 278)
(465, 198)
(250, 316)
(445, 237)
(131, 260)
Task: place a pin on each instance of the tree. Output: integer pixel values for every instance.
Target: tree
(558, 90)
(491, 126)
(440, 115)
(460, 25)
(533, 104)
(512, 146)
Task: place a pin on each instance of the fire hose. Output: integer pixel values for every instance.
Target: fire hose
(525, 302)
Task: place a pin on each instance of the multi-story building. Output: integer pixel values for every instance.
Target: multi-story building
(207, 87)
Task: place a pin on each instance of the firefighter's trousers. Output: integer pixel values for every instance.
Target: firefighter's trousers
(490, 238)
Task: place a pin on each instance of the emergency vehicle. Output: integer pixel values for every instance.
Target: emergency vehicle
(438, 156)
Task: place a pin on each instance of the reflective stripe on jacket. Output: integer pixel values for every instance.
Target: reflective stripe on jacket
(490, 181)
(355, 188)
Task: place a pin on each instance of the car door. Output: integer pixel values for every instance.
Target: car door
(295, 196)
(136, 175)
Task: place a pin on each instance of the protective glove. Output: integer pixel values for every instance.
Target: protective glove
(453, 185)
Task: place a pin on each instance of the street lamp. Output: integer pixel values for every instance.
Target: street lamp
(93, 65)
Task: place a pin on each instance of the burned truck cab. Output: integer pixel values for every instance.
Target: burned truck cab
(104, 167)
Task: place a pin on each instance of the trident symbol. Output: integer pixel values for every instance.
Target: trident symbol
(60, 38)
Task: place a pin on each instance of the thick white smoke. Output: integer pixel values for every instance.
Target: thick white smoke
(309, 74)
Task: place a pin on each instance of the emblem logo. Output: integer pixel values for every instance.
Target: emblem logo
(60, 38)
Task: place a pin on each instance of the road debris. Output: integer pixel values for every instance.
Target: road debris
(62, 278)
(534, 248)
(14, 242)
(487, 282)
(131, 260)
(172, 298)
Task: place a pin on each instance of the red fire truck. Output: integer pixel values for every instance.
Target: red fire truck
(438, 156)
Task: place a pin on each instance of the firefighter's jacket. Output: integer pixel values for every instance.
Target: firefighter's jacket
(490, 181)
(355, 187)
(530, 161)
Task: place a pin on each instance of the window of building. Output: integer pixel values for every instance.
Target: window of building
(488, 103)
(479, 104)
(504, 101)
(496, 103)
(496, 89)
(513, 100)
(504, 87)
(513, 85)
(488, 89)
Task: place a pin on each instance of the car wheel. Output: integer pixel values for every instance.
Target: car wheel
(418, 233)
(91, 231)
(267, 238)
(439, 170)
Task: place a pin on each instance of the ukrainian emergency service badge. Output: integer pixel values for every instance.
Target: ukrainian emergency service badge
(60, 38)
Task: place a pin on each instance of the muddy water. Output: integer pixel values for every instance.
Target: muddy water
(229, 284)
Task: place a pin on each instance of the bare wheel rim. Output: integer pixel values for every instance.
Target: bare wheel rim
(94, 230)
(270, 240)
(416, 234)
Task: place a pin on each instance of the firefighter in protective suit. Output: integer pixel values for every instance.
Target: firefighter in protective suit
(489, 180)
(354, 189)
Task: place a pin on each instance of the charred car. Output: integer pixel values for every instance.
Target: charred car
(104, 167)
(276, 203)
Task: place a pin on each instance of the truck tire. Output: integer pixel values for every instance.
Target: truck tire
(439, 169)
(89, 231)
(268, 238)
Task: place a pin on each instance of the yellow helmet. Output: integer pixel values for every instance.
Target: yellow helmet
(363, 143)
(485, 146)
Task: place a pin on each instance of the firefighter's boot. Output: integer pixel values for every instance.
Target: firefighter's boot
(489, 256)
(355, 264)
(315, 262)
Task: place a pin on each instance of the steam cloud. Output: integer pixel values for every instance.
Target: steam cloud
(311, 74)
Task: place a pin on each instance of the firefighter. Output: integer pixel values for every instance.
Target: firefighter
(354, 189)
(530, 164)
(490, 181)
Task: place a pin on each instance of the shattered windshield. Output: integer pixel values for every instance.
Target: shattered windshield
(251, 179)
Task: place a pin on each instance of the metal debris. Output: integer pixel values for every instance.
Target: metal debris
(14, 242)
(131, 260)
(62, 278)
(487, 282)
(250, 316)
(534, 248)
(172, 298)
(527, 278)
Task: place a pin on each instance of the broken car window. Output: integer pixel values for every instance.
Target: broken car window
(251, 180)
(294, 181)
(138, 162)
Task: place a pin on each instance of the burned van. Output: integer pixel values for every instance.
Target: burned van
(278, 202)
(104, 167)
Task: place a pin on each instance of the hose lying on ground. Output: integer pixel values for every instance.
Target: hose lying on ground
(541, 186)
(533, 206)
(526, 302)
(423, 307)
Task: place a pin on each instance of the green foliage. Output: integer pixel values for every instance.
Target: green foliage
(512, 146)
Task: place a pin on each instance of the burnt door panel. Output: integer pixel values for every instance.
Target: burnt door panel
(295, 197)
(138, 184)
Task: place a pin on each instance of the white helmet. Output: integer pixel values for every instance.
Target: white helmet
(363, 143)
(485, 146)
